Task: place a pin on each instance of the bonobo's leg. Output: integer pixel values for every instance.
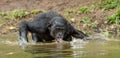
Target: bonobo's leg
(36, 38)
(23, 31)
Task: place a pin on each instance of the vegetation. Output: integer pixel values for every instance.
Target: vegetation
(115, 18)
(70, 11)
(15, 14)
(86, 20)
(36, 11)
(109, 4)
(112, 20)
(18, 14)
(84, 9)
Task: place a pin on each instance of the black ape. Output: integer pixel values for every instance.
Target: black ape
(47, 27)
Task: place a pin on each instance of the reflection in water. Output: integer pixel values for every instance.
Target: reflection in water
(57, 50)
(78, 43)
(96, 48)
(49, 50)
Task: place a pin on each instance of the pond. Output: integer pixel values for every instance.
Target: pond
(76, 49)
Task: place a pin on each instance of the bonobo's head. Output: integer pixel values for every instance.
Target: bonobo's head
(57, 28)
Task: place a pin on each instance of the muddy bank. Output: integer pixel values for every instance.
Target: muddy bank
(63, 7)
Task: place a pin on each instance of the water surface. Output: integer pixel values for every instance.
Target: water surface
(85, 49)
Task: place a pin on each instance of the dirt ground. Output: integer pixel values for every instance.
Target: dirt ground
(60, 6)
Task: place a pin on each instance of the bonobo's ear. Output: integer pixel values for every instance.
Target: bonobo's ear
(79, 34)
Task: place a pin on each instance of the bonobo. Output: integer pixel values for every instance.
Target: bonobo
(49, 26)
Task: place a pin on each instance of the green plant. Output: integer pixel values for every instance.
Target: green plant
(2, 13)
(118, 12)
(69, 11)
(112, 19)
(84, 9)
(70, 19)
(108, 4)
(18, 13)
(7, 17)
(14, 14)
(115, 18)
(36, 11)
(93, 25)
(86, 20)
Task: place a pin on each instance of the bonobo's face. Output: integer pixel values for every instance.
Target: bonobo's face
(58, 33)
(58, 28)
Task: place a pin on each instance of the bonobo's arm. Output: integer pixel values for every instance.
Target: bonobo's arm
(36, 38)
(79, 34)
(76, 33)
(23, 31)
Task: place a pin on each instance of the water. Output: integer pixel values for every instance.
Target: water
(77, 49)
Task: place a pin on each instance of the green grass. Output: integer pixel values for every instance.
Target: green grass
(14, 14)
(84, 9)
(86, 20)
(17, 13)
(108, 4)
(93, 25)
(69, 11)
(115, 18)
(35, 11)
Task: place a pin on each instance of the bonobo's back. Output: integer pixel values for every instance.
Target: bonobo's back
(48, 15)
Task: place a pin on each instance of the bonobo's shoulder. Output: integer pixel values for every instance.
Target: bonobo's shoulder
(23, 23)
(52, 14)
(49, 14)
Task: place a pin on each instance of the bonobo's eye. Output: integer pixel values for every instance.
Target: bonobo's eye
(61, 30)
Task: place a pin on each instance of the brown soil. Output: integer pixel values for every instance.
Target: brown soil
(60, 6)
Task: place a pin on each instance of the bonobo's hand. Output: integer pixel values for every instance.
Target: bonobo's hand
(22, 44)
(86, 38)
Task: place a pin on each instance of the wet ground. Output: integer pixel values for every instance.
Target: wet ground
(77, 48)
